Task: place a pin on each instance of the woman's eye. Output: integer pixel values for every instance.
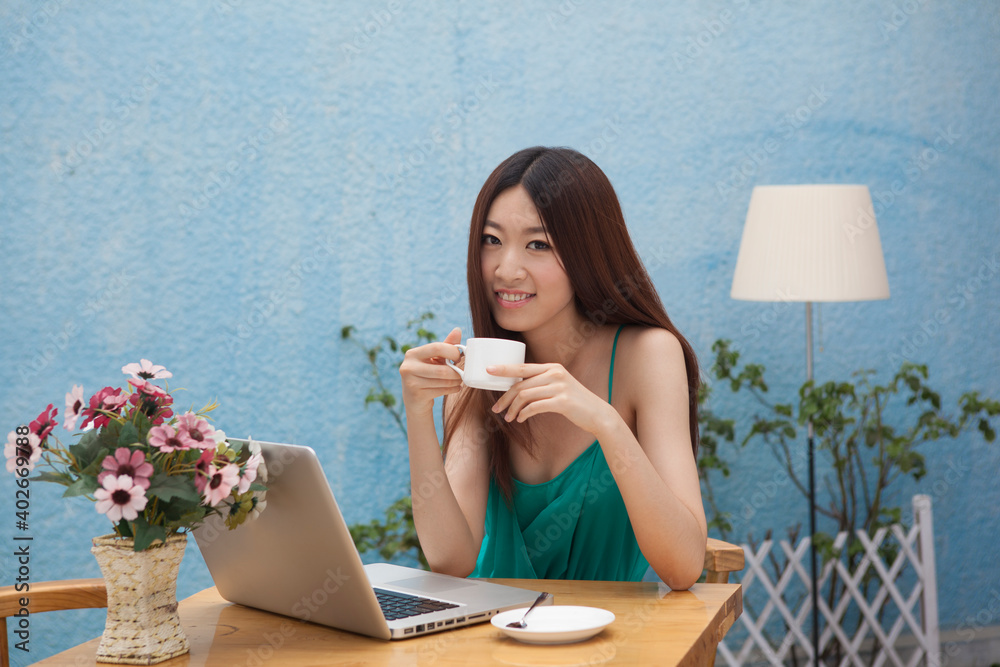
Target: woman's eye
(538, 245)
(489, 239)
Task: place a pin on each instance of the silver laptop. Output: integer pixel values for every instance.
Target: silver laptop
(297, 559)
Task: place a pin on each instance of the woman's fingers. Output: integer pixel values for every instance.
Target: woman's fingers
(425, 373)
(442, 350)
(517, 370)
(529, 401)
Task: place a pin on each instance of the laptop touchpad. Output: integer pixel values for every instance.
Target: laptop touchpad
(430, 584)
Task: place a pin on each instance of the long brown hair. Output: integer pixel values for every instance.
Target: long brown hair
(581, 214)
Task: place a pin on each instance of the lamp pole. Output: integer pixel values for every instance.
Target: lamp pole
(812, 493)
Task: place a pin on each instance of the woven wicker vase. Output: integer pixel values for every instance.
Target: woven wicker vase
(142, 626)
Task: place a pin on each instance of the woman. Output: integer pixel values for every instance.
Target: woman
(584, 469)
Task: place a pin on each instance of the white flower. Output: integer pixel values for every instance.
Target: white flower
(258, 505)
(120, 498)
(220, 483)
(249, 473)
(30, 452)
(74, 407)
(145, 370)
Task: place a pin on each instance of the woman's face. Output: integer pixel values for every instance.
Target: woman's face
(525, 281)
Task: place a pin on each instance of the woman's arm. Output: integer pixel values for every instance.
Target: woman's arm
(449, 498)
(654, 467)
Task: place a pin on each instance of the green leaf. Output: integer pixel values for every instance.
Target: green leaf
(145, 534)
(129, 435)
(48, 476)
(87, 450)
(124, 529)
(108, 435)
(82, 487)
(988, 433)
(166, 488)
(192, 517)
(346, 332)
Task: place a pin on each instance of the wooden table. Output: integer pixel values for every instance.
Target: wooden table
(653, 626)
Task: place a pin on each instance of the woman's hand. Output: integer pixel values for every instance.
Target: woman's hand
(426, 376)
(549, 388)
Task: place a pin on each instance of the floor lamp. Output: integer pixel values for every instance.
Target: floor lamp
(809, 243)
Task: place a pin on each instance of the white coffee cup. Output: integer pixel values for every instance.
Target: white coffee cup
(482, 352)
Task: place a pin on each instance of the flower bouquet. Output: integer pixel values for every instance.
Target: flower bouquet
(154, 474)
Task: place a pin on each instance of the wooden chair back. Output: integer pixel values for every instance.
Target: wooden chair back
(45, 596)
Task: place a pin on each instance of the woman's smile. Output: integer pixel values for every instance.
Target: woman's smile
(513, 298)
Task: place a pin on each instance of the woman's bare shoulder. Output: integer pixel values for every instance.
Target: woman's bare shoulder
(651, 361)
(650, 346)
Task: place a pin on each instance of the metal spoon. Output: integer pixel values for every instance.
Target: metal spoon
(521, 623)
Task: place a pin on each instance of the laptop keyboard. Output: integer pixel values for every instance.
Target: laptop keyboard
(400, 605)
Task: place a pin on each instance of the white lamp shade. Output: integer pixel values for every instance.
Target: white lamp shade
(810, 243)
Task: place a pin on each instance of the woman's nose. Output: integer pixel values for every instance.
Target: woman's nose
(511, 266)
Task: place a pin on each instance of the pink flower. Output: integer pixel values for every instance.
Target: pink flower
(44, 423)
(203, 466)
(197, 429)
(120, 498)
(145, 370)
(153, 401)
(74, 407)
(109, 399)
(249, 473)
(27, 453)
(220, 483)
(166, 439)
(127, 462)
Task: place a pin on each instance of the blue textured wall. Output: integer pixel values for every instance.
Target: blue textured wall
(221, 186)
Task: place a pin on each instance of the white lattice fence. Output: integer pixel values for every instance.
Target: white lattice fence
(862, 623)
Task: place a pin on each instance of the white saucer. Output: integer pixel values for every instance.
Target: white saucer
(556, 624)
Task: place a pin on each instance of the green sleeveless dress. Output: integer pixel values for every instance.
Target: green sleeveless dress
(574, 526)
